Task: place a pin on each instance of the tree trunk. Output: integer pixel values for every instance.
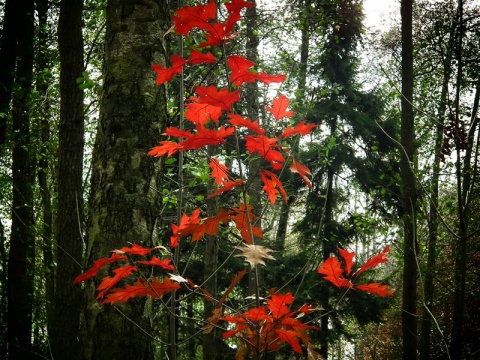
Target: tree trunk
(69, 219)
(409, 202)
(433, 222)
(14, 10)
(22, 240)
(3, 293)
(43, 81)
(123, 201)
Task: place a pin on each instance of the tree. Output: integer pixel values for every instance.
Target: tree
(22, 240)
(409, 197)
(69, 217)
(124, 203)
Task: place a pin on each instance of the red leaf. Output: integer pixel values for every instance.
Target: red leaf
(155, 289)
(97, 266)
(222, 99)
(277, 304)
(348, 257)
(201, 113)
(301, 170)
(164, 264)
(375, 288)
(175, 132)
(208, 225)
(185, 222)
(272, 186)
(134, 250)
(188, 17)
(238, 121)
(290, 337)
(109, 282)
(257, 314)
(279, 109)
(196, 57)
(166, 74)
(265, 147)
(268, 79)
(240, 220)
(165, 148)
(234, 7)
(204, 137)
(239, 67)
(219, 171)
(332, 269)
(301, 129)
(227, 186)
(374, 261)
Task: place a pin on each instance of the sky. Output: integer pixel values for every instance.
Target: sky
(378, 12)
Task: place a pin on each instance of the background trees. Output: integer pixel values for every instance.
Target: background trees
(360, 175)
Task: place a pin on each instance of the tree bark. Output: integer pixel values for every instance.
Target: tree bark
(22, 240)
(409, 197)
(69, 219)
(14, 10)
(123, 203)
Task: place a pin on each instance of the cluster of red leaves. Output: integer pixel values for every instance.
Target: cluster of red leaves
(205, 109)
(196, 227)
(343, 277)
(268, 327)
(264, 328)
(108, 292)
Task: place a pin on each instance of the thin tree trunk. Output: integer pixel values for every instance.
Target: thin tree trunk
(433, 222)
(409, 202)
(3, 292)
(22, 240)
(13, 11)
(43, 81)
(69, 219)
(124, 200)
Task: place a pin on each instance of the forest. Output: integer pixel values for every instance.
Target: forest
(239, 179)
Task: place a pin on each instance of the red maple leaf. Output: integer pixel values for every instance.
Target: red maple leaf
(219, 171)
(196, 57)
(279, 109)
(265, 146)
(375, 288)
(166, 74)
(134, 250)
(234, 8)
(205, 226)
(268, 79)
(301, 170)
(179, 133)
(333, 271)
(164, 264)
(189, 17)
(97, 265)
(277, 304)
(155, 289)
(301, 129)
(242, 222)
(348, 258)
(222, 99)
(204, 137)
(165, 148)
(239, 70)
(185, 221)
(109, 282)
(374, 261)
(272, 186)
(290, 337)
(227, 186)
(239, 121)
(201, 113)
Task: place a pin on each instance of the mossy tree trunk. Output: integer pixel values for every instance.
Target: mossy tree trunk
(123, 204)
